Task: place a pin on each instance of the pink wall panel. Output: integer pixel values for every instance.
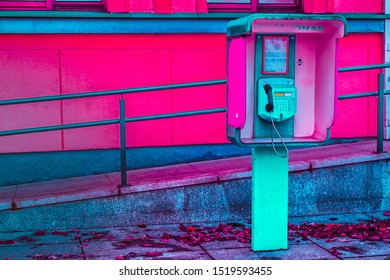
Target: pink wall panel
(315, 6)
(201, 6)
(117, 6)
(357, 117)
(162, 6)
(183, 6)
(94, 70)
(145, 6)
(356, 6)
(29, 73)
(189, 65)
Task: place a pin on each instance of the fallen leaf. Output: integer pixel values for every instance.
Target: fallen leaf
(7, 242)
(60, 233)
(153, 254)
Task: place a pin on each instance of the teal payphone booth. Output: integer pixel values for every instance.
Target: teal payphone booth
(276, 92)
(282, 91)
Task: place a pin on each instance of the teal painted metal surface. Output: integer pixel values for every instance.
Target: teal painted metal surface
(366, 67)
(381, 85)
(102, 15)
(243, 25)
(107, 92)
(91, 25)
(106, 122)
(174, 115)
(357, 95)
(269, 200)
(380, 94)
(56, 127)
(122, 124)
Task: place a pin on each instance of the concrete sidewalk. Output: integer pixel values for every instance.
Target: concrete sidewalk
(173, 176)
(213, 241)
(92, 218)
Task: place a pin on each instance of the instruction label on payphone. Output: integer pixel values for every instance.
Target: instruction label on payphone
(275, 55)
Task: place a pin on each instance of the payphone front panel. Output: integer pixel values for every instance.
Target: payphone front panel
(276, 94)
(282, 78)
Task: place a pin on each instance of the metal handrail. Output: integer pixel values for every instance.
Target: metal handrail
(380, 94)
(122, 116)
(123, 120)
(107, 92)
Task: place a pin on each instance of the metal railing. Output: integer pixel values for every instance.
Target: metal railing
(380, 95)
(123, 120)
(122, 116)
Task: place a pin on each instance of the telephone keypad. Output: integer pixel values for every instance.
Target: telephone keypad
(283, 105)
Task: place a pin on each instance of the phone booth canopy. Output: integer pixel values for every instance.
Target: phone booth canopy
(282, 78)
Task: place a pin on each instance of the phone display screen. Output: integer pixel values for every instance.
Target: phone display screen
(275, 55)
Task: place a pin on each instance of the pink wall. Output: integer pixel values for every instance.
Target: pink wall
(63, 64)
(342, 6)
(357, 117)
(40, 65)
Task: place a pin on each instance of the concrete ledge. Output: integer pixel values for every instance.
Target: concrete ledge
(181, 175)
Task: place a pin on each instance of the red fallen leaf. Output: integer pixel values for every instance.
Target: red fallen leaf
(7, 242)
(60, 233)
(142, 226)
(129, 238)
(147, 236)
(120, 258)
(109, 237)
(147, 245)
(40, 233)
(132, 254)
(182, 227)
(190, 229)
(386, 213)
(25, 238)
(153, 254)
(165, 237)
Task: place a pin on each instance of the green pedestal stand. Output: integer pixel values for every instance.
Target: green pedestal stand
(269, 200)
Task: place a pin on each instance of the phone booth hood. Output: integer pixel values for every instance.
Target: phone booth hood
(314, 64)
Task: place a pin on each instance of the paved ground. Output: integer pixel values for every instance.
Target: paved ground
(318, 237)
(213, 171)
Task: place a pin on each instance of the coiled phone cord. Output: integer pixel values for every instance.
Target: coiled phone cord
(280, 137)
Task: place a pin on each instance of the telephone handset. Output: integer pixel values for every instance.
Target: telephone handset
(276, 98)
(268, 90)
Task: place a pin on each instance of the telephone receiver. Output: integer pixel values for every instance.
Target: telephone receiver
(268, 90)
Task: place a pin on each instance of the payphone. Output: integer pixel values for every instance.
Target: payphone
(284, 65)
(281, 91)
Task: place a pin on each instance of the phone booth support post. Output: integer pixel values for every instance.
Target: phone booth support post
(282, 91)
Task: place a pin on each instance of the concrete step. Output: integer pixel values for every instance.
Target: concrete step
(335, 179)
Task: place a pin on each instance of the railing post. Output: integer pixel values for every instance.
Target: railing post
(122, 124)
(379, 144)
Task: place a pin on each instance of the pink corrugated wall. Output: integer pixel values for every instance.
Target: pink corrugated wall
(64, 64)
